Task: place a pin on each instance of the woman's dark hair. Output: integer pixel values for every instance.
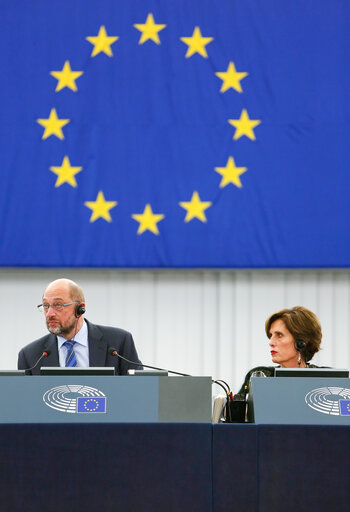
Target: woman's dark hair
(304, 326)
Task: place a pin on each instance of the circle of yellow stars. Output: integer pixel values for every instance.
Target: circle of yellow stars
(91, 404)
(195, 207)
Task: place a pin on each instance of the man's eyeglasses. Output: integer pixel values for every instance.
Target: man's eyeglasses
(57, 306)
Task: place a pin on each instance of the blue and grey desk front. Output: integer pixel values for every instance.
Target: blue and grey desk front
(300, 401)
(101, 399)
(155, 466)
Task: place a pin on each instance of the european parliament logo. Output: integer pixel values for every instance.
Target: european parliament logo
(330, 400)
(75, 399)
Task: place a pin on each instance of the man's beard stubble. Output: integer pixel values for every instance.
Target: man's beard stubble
(61, 330)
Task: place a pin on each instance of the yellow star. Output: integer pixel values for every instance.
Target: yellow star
(149, 30)
(148, 220)
(102, 42)
(244, 126)
(65, 173)
(66, 77)
(100, 207)
(195, 208)
(196, 43)
(230, 173)
(53, 125)
(231, 78)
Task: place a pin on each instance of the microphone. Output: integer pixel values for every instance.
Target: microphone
(113, 352)
(46, 353)
(229, 397)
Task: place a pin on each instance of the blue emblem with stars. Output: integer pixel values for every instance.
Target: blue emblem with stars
(91, 404)
(344, 407)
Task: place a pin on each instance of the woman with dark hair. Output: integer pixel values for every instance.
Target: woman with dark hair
(295, 336)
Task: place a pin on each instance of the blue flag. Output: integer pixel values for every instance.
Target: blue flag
(175, 133)
(91, 404)
(344, 407)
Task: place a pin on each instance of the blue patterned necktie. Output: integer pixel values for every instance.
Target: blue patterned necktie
(71, 358)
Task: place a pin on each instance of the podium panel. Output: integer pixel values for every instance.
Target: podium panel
(297, 400)
(105, 399)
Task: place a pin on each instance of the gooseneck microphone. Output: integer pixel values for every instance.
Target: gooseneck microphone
(46, 353)
(112, 352)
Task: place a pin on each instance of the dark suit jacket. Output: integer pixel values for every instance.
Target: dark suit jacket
(100, 339)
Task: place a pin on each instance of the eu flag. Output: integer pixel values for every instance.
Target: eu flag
(344, 407)
(91, 404)
(175, 133)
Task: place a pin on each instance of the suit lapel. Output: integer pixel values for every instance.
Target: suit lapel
(97, 345)
(51, 346)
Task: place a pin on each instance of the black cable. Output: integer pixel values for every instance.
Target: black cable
(227, 390)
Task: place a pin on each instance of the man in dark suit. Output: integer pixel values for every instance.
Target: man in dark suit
(73, 341)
